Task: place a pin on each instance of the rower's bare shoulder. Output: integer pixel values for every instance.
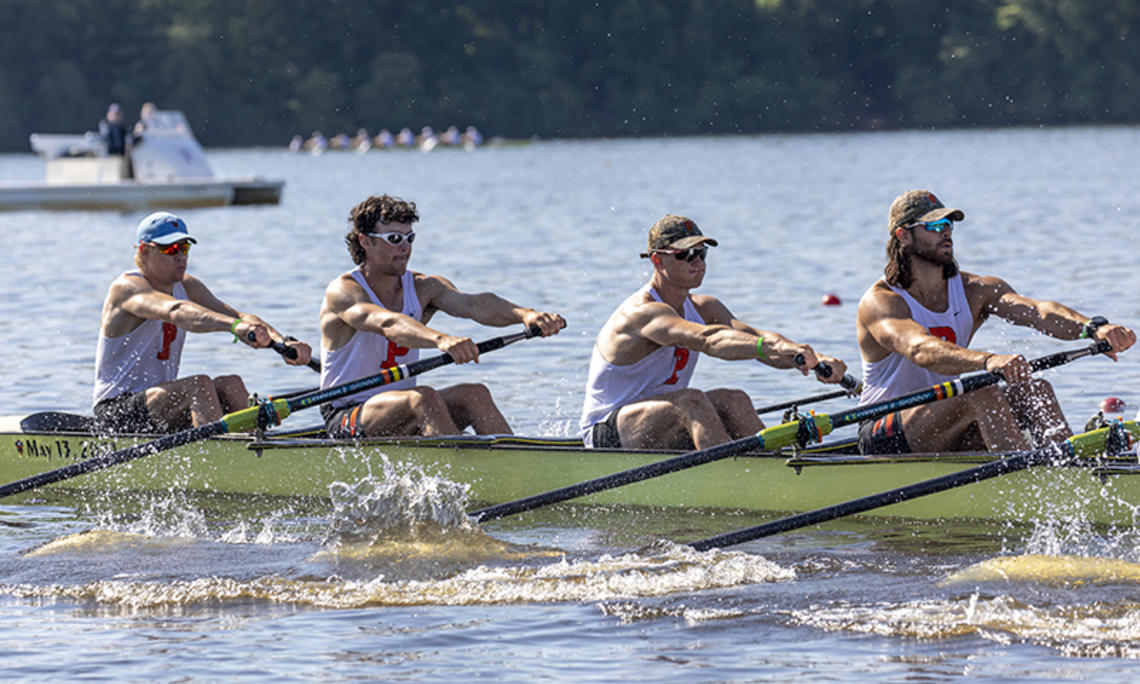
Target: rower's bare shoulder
(881, 300)
(985, 286)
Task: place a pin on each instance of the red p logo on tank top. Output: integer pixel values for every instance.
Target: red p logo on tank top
(680, 359)
(945, 332)
(393, 352)
(169, 332)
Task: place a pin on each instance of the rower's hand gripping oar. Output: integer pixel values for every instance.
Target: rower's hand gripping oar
(259, 416)
(291, 353)
(803, 431)
(1116, 436)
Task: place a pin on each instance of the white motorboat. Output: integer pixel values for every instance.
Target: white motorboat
(166, 168)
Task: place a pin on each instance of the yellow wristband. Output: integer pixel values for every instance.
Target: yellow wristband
(760, 347)
(233, 329)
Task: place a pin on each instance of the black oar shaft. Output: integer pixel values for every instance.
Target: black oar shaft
(247, 419)
(1046, 454)
(645, 472)
(397, 373)
(1062, 453)
(114, 458)
(849, 383)
(775, 437)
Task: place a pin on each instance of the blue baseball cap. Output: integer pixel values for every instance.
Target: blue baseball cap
(163, 228)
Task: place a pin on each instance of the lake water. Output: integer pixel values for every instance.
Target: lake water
(210, 589)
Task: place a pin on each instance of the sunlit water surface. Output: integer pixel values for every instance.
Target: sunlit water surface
(176, 587)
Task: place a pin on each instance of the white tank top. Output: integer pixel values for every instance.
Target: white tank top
(144, 357)
(609, 387)
(367, 353)
(894, 375)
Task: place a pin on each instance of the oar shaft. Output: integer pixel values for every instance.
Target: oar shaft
(957, 387)
(776, 437)
(397, 373)
(1059, 454)
(249, 418)
(625, 477)
(849, 384)
(114, 458)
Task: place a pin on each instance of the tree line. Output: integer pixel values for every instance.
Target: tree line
(259, 71)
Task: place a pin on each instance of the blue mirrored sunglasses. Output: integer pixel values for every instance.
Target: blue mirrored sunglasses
(934, 226)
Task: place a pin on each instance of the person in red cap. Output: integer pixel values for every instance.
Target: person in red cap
(914, 328)
(146, 315)
(637, 391)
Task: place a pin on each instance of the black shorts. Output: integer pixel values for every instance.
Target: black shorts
(605, 434)
(883, 436)
(342, 422)
(125, 413)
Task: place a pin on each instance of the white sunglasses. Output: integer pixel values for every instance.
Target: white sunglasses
(395, 237)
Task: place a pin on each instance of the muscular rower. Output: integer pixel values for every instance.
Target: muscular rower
(914, 329)
(637, 392)
(146, 316)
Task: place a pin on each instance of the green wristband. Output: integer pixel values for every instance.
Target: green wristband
(760, 347)
(233, 329)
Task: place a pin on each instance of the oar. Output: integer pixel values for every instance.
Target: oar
(808, 428)
(851, 387)
(255, 416)
(291, 353)
(1062, 453)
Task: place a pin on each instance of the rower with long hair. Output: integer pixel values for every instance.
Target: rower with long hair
(914, 328)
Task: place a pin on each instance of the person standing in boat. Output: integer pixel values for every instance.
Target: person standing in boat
(146, 315)
(914, 328)
(637, 391)
(113, 130)
(376, 316)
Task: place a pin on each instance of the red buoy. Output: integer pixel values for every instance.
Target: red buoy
(831, 299)
(1112, 405)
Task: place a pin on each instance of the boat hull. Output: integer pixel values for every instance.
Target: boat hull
(131, 195)
(504, 469)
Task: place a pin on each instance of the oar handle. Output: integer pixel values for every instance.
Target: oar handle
(291, 353)
(824, 370)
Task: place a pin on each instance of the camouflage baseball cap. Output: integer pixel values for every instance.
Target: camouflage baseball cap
(675, 232)
(914, 206)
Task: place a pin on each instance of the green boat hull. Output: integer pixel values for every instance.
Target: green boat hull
(507, 468)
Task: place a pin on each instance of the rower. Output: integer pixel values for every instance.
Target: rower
(146, 316)
(637, 392)
(376, 316)
(914, 328)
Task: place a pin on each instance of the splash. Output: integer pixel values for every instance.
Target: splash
(1099, 629)
(402, 503)
(663, 570)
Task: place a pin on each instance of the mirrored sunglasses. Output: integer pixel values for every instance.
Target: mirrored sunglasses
(934, 226)
(395, 237)
(174, 248)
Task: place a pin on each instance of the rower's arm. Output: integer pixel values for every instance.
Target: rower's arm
(486, 308)
(884, 321)
(778, 351)
(1049, 317)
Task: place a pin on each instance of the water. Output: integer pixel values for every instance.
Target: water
(209, 588)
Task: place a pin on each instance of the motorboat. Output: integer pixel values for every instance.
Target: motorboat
(163, 168)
